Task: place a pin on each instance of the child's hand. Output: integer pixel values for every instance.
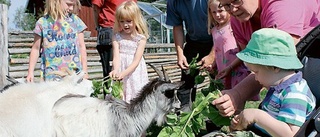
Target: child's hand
(223, 73)
(121, 75)
(235, 122)
(30, 78)
(116, 76)
(113, 75)
(244, 119)
(86, 75)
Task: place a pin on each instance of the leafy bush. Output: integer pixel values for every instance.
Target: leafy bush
(189, 124)
(115, 88)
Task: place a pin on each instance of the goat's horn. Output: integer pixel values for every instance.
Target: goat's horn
(166, 76)
(157, 71)
(11, 79)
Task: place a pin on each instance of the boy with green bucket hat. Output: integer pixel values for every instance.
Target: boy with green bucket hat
(271, 56)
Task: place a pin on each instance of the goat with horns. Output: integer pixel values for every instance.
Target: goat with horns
(79, 116)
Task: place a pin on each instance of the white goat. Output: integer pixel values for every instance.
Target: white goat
(26, 109)
(79, 116)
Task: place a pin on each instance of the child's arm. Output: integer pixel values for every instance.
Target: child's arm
(226, 71)
(34, 55)
(234, 64)
(116, 58)
(274, 127)
(83, 54)
(136, 59)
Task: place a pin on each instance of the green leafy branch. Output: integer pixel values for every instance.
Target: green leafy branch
(188, 124)
(115, 88)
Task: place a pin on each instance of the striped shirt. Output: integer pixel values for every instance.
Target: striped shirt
(291, 101)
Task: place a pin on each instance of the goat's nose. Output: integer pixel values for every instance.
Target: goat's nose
(176, 103)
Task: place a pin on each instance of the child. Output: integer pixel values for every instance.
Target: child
(230, 69)
(272, 57)
(128, 45)
(60, 32)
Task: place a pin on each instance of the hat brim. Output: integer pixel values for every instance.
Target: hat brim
(283, 62)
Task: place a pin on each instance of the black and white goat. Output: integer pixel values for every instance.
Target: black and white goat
(79, 116)
(26, 108)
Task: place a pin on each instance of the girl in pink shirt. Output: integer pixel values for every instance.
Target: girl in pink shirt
(225, 46)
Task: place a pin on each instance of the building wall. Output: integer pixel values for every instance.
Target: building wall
(86, 14)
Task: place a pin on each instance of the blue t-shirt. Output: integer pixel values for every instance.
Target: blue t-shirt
(193, 13)
(60, 44)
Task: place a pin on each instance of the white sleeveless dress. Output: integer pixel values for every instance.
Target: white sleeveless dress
(133, 83)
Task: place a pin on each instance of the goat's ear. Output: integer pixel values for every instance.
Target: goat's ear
(74, 78)
(81, 76)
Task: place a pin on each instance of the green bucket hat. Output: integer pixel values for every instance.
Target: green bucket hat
(271, 47)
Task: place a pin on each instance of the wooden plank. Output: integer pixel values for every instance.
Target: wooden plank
(26, 60)
(29, 45)
(157, 54)
(160, 60)
(160, 45)
(22, 67)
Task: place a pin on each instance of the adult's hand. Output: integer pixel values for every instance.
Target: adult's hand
(206, 62)
(182, 62)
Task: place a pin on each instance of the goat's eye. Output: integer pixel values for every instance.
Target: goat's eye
(169, 93)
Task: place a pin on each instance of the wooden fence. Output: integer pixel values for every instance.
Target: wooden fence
(15, 49)
(20, 43)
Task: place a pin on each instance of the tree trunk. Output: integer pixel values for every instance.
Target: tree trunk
(4, 55)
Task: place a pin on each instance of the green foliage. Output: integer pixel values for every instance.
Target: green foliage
(193, 67)
(24, 21)
(22, 56)
(7, 2)
(115, 88)
(189, 124)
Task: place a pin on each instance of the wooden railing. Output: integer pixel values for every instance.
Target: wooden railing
(20, 45)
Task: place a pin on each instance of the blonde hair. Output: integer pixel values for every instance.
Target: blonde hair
(53, 8)
(130, 10)
(211, 21)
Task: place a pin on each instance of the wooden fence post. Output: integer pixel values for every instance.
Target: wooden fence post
(4, 55)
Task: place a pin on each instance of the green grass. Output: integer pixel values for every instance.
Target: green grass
(255, 104)
(23, 56)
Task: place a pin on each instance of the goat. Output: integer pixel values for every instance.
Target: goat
(26, 108)
(79, 116)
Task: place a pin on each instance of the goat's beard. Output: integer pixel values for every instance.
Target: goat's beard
(160, 118)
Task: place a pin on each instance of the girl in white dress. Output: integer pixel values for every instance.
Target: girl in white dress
(129, 40)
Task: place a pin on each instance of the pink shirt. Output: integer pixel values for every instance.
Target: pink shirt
(225, 48)
(296, 17)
